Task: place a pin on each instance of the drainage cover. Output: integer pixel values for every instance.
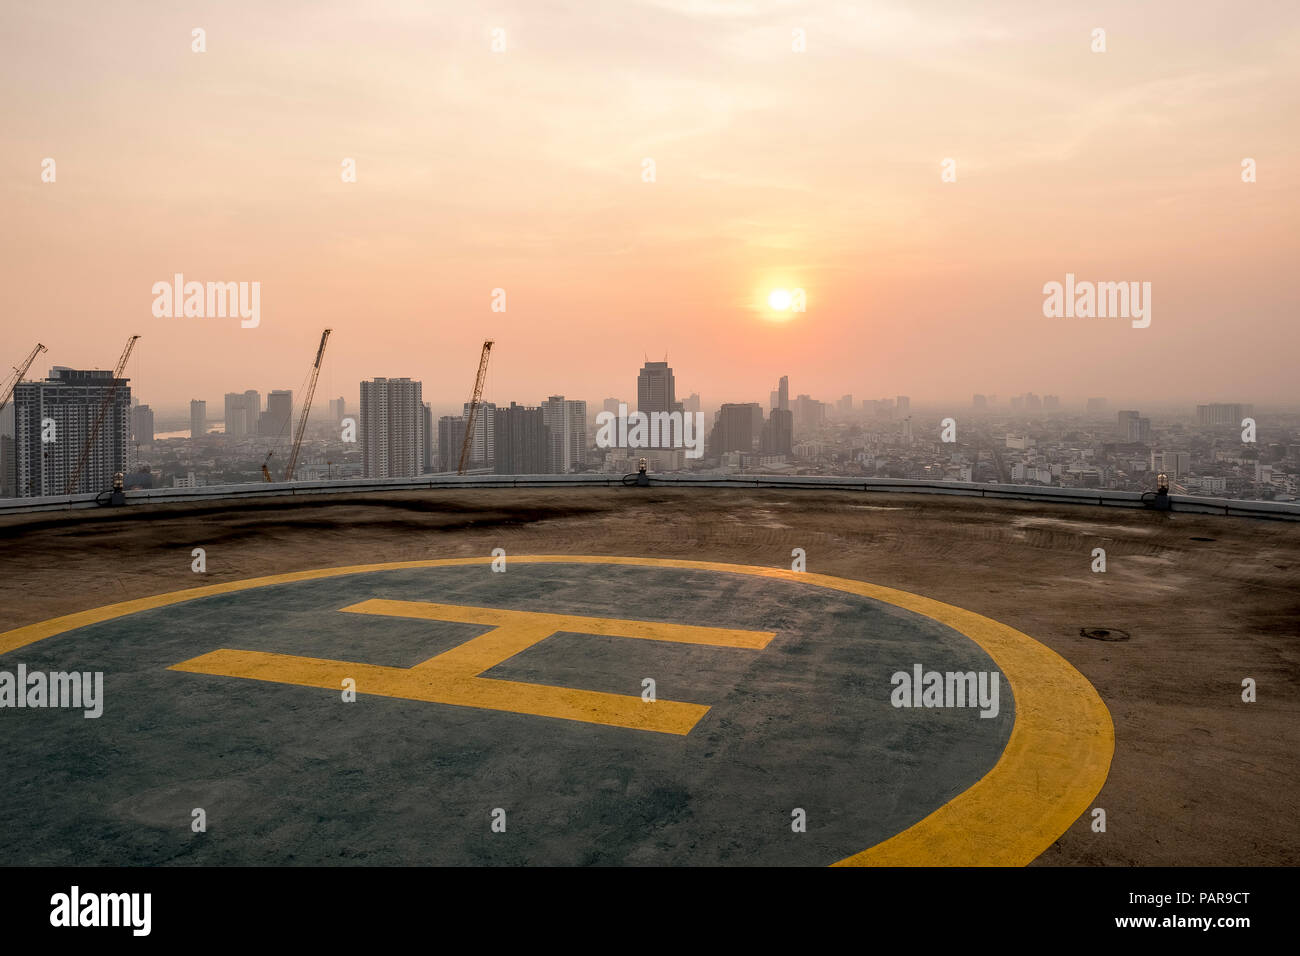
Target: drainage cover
(1104, 633)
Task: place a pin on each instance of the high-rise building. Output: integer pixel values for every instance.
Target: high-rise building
(274, 422)
(252, 411)
(737, 427)
(783, 393)
(338, 411)
(142, 424)
(902, 404)
(691, 403)
(236, 415)
(391, 428)
(778, 433)
(1051, 403)
(482, 446)
(612, 404)
(655, 388)
(522, 441)
(567, 424)
(198, 418)
(1128, 425)
(8, 455)
(845, 405)
(66, 406)
(430, 436)
(979, 402)
(451, 437)
(809, 414)
(1223, 414)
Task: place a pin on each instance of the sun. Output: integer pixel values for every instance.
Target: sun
(780, 299)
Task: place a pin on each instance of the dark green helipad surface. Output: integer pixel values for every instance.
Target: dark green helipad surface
(293, 774)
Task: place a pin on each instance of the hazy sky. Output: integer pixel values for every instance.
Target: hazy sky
(522, 170)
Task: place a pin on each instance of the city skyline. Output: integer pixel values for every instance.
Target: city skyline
(1066, 162)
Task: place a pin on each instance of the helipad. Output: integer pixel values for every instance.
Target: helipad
(595, 709)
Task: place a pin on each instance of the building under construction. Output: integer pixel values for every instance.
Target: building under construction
(54, 424)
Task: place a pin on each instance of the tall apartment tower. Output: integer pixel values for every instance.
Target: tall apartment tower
(392, 428)
(430, 436)
(142, 424)
(567, 423)
(252, 411)
(337, 411)
(198, 418)
(274, 422)
(1128, 425)
(738, 425)
(655, 388)
(70, 400)
(482, 447)
(236, 416)
(783, 394)
(778, 433)
(902, 404)
(523, 445)
(451, 436)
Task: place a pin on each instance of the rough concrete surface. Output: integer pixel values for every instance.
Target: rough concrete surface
(1198, 777)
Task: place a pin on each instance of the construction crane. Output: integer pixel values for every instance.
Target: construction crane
(302, 417)
(19, 372)
(99, 417)
(473, 406)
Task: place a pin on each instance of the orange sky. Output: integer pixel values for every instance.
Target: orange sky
(522, 170)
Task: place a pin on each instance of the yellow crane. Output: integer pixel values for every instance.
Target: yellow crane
(19, 372)
(473, 406)
(302, 416)
(99, 417)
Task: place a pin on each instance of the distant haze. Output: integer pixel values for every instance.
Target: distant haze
(523, 170)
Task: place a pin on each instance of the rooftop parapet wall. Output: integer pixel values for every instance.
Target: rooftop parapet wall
(1286, 511)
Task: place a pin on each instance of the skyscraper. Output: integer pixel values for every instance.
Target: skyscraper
(482, 446)
(451, 437)
(391, 428)
(655, 388)
(142, 424)
(902, 404)
(778, 433)
(522, 441)
(430, 436)
(738, 425)
(783, 393)
(567, 423)
(63, 410)
(198, 418)
(236, 415)
(274, 422)
(1128, 425)
(252, 411)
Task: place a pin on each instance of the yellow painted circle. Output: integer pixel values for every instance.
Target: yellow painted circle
(1054, 763)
